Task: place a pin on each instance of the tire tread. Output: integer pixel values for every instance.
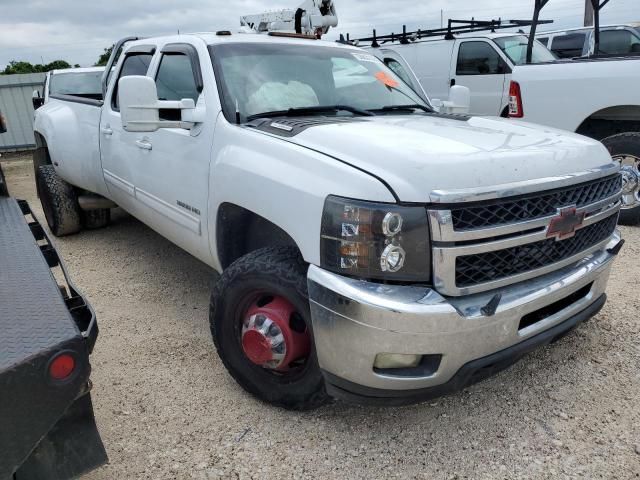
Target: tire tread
(60, 198)
(286, 266)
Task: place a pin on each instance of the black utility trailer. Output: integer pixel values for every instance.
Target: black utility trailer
(47, 332)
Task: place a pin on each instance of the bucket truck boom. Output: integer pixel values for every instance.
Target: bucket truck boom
(312, 17)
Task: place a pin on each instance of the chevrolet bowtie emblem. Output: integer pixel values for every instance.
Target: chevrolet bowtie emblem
(565, 224)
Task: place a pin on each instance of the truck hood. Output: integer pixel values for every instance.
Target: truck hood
(416, 154)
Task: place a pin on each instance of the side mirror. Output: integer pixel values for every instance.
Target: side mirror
(459, 101)
(140, 107)
(37, 100)
(437, 104)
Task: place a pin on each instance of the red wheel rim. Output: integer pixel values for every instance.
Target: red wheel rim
(274, 335)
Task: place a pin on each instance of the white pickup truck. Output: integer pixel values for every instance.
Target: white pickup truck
(597, 97)
(370, 248)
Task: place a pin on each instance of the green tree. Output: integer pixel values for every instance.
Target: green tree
(56, 65)
(16, 67)
(104, 57)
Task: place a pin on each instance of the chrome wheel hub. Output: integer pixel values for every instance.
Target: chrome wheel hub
(274, 336)
(263, 342)
(630, 172)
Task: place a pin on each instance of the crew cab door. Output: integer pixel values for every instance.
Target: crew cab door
(118, 150)
(477, 65)
(172, 174)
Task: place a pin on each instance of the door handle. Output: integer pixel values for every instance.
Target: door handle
(107, 131)
(144, 144)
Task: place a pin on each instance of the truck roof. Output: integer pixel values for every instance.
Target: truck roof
(78, 70)
(576, 29)
(212, 38)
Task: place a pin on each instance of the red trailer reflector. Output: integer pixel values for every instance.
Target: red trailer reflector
(62, 366)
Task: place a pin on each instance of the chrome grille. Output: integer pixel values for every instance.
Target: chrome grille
(491, 266)
(510, 234)
(532, 207)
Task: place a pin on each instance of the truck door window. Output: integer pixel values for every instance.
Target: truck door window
(618, 42)
(568, 46)
(544, 41)
(175, 79)
(479, 58)
(134, 64)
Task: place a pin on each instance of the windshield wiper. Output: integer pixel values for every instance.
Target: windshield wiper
(301, 111)
(400, 108)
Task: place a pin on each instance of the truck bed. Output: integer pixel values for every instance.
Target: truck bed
(39, 319)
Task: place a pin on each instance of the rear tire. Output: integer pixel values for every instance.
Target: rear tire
(59, 202)
(276, 272)
(625, 148)
(95, 219)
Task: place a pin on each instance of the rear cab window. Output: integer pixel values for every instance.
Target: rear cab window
(79, 84)
(568, 46)
(515, 48)
(134, 64)
(479, 58)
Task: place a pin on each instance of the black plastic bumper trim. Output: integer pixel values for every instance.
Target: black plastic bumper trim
(468, 374)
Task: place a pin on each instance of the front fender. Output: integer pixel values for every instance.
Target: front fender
(282, 182)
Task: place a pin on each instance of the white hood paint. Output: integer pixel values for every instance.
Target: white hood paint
(418, 154)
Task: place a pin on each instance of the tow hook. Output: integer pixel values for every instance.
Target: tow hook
(490, 309)
(616, 250)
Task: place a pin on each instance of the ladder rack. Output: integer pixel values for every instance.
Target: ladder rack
(454, 27)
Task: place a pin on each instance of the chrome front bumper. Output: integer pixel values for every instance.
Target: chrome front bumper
(354, 320)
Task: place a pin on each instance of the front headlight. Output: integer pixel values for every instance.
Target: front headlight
(375, 240)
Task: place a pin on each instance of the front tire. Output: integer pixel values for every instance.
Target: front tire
(59, 202)
(625, 148)
(268, 278)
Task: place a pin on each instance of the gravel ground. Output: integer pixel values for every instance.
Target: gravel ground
(166, 408)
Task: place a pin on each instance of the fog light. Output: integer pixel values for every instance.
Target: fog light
(396, 360)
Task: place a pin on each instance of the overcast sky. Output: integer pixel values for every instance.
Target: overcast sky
(78, 30)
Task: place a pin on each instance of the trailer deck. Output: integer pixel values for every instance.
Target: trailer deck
(48, 429)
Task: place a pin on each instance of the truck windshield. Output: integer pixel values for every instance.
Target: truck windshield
(516, 49)
(259, 78)
(79, 84)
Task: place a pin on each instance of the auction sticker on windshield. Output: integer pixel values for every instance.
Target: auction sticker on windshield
(386, 80)
(365, 57)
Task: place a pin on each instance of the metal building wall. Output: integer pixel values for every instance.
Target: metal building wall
(15, 103)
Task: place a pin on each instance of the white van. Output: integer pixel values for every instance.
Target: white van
(482, 62)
